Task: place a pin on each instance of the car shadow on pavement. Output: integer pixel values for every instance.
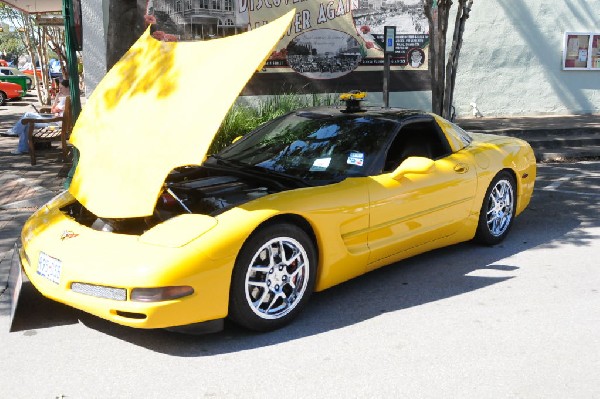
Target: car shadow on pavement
(427, 278)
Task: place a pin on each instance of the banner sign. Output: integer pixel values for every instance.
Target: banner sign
(331, 46)
(409, 49)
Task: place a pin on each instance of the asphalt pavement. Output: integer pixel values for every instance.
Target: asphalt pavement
(24, 188)
(517, 320)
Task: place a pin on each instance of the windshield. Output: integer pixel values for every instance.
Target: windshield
(314, 146)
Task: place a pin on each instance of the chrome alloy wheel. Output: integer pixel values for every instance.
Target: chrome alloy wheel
(500, 208)
(277, 278)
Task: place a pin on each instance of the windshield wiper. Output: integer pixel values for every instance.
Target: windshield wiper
(227, 162)
(254, 170)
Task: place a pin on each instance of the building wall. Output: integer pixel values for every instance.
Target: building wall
(511, 59)
(94, 15)
(510, 62)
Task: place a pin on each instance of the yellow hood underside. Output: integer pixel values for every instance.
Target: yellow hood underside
(159, 108)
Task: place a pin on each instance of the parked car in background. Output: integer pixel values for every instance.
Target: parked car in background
(10, 71)
(30, 72)
(54, 69)
(9, 91)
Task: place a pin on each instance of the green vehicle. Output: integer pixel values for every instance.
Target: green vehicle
(13, 75)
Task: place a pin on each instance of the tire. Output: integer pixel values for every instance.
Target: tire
(268, 290)
(2, 98)
(498, 210)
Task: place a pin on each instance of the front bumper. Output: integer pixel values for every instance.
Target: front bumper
(107, 262)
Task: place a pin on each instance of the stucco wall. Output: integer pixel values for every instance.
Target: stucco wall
(511, 59)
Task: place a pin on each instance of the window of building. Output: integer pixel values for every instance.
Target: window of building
(204, 4)
(188, 4)
(178, 6)
(581, 51)
(216, 4)
(228, 5)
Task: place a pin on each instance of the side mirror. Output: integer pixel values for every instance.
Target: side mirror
(414, 165)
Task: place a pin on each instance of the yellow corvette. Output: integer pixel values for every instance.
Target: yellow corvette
(153, 234)
(353, 95)
(305, 202)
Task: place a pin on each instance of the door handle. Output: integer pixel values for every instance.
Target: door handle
(461, 168)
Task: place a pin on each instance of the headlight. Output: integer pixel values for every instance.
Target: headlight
(160, 293)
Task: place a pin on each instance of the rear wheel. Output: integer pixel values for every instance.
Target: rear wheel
(273, 277)
(498, 210)
(2, 98)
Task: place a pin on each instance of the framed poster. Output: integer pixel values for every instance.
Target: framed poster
(581, 51)
(595, 51)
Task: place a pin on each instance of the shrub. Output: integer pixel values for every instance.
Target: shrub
(245, 115)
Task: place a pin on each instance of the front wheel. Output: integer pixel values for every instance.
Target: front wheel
(498, 210)
(2, 98)
(273, 277)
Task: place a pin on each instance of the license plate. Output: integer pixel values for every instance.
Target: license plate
(49, 267)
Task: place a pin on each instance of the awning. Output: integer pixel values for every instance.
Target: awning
(35, 6)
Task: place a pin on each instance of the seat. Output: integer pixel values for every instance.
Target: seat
(50, 133)
(416, 147)
(404, 147)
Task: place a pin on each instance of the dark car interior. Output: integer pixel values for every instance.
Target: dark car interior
(421, 138)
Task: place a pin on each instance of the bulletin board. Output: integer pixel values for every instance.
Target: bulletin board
(581, 51)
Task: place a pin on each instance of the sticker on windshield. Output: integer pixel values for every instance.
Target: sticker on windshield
(320, 164)
(356, 158)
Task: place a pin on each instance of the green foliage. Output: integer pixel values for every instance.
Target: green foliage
(243, 117)
(10, 42)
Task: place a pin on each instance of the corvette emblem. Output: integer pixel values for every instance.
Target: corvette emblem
(68, 234)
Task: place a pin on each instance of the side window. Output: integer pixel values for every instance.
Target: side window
(416, 139)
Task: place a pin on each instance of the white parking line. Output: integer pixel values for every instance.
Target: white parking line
(579, 193)
(556, 183)
(554, 186)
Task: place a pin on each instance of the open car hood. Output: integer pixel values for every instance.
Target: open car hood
(159, 108)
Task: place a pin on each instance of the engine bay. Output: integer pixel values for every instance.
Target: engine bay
(194, 189)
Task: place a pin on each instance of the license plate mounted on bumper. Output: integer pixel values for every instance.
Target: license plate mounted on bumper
(49, 267)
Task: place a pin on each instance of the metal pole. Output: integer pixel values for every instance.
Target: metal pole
(389, 37)
(386, 79)
(71, 51)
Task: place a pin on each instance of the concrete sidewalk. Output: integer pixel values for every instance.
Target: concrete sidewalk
(24, 188)
(553, 138)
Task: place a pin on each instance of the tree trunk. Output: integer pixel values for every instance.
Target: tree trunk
(123, 13)
(443, 76)
(437, 13)
(462, 14)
